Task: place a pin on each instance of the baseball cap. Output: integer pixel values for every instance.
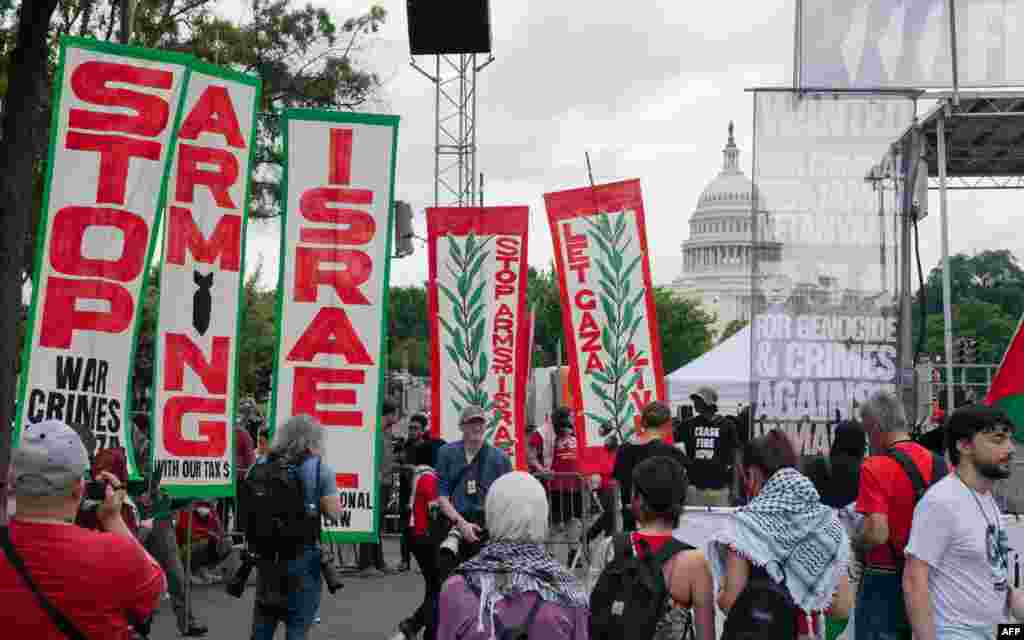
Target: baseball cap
(661, 481)
(655, 414)
(49, 458)
(471, 413)
(707, 395)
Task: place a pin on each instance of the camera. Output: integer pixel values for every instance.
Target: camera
(236, 583)
(96, 490)
(330, 570)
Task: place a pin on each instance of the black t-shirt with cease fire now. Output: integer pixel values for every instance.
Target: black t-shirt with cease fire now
(711, 445)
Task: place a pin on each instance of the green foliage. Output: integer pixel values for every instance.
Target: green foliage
(467, 348)
(685, 329)
(543, 298)
(988, 300)
(408, 330)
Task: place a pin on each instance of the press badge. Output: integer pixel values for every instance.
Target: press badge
(470, 487)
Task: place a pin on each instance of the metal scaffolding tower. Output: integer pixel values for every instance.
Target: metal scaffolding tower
(455, 128)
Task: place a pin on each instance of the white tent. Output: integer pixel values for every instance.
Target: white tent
(726, 368)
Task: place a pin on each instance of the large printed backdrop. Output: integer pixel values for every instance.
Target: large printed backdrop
(478, 321)
(335, 256)
(114, 113)
(608, 311)
(825, 272)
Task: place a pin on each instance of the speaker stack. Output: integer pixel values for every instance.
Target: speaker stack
(442, 27)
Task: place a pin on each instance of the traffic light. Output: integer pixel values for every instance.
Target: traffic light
(959, 350)
(970, 350)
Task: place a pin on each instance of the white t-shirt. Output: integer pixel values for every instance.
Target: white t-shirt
(960, 534)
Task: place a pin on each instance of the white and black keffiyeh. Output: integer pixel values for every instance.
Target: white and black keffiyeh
(787, 531)
(506, 568)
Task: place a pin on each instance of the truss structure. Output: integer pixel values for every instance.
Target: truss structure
(455, 127)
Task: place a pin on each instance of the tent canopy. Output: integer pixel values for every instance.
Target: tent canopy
(726, 368)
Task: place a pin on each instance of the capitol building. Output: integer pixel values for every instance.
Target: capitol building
(717, 256)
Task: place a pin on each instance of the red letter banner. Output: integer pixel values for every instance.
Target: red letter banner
(114, 110)
(201, 281)
(607, 311)
(332, 298)
(479, 332)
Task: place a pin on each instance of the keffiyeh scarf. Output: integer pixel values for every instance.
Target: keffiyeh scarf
(796, 539)
(507, 568)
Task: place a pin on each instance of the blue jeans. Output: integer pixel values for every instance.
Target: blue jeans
(303, 577)
(881, 613)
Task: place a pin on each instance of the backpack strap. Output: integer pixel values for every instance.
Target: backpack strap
(917, 481)
(622, 545)
(63, 624)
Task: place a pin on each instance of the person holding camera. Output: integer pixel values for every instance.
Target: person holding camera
(58, 580)
(466, 469)
(285, 537)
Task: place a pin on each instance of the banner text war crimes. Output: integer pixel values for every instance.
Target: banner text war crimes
(79, 396)
(813, 365)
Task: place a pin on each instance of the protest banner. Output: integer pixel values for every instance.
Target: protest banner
(826, 276)
(478, 322)
(111, 135)
(201, 281)
(332, 297)
(607, 311)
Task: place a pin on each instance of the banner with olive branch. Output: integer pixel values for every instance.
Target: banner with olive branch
(607, 311)
(479, 329)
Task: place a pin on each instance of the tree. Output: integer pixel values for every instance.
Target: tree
(685, 329)
(543, 298)
(22, 146)
(993, 276)
(991, 325)
(408, 330)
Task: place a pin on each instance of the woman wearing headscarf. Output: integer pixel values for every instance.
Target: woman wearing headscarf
(784, 533)
(513, 582)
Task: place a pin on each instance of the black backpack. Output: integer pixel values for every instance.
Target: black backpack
(631, 595)
(939, 471)
(278, 523)
(764, 609)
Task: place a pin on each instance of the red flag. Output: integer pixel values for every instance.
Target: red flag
(1007, 390)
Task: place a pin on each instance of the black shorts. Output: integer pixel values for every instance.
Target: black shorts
(566, 506)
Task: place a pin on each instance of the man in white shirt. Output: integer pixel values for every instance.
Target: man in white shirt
(956, 580)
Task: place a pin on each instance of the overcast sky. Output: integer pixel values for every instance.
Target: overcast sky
(648, 88)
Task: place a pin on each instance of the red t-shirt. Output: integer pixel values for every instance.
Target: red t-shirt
(97, 580)
(245, 450)
(565, 461)
(424, 494)
(536, 443)
(886, 489)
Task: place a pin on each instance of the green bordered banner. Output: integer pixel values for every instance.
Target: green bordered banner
(201, 284)
(111, 136)
(332, 297)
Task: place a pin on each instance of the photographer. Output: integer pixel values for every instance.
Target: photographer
(288, 550)
(101, 583)
(466, 469)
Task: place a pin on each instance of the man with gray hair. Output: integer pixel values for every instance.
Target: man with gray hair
(892, 480)
(101, 583)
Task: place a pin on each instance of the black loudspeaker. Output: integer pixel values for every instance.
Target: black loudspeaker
(403, 229)
(439, 27)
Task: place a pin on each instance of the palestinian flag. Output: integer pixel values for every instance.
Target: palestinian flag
(1007, 390)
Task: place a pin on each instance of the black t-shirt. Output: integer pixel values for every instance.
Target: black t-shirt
(629, 456)
(711, 444)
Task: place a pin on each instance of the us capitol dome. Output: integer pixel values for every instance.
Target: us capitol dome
(717, 257)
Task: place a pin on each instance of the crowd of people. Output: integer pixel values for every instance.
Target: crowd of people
(903, 542)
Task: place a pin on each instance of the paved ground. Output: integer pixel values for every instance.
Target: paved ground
(366, 609)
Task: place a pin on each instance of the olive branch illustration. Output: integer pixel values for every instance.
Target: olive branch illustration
(466, 331)
(622, 320)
